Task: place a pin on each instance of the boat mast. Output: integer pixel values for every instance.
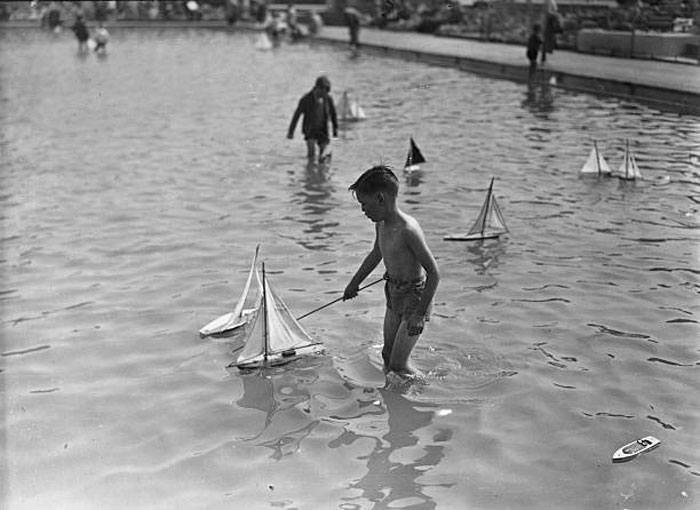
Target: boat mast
(627, 159)
(264, 305)
(488, 208)
(597, 157)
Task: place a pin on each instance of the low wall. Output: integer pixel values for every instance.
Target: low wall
(639, 44)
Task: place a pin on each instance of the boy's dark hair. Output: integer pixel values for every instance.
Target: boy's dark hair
(322, 82)
(377, 178)
(536, 28)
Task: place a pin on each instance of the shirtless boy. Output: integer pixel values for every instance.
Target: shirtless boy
(318, 109)
(411, 271)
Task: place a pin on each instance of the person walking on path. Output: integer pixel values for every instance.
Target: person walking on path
(552, 27)
(352, 18)
(412, 274)
(318, 109)
(533, 48)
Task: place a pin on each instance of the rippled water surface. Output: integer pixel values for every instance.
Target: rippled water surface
(136, 186)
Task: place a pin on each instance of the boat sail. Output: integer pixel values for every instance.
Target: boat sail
(488, 225)
(415, 157)
(350, 110)
(595, 164)
(276, 337)
(628, 170)
(246, 306)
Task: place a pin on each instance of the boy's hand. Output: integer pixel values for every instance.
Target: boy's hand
(290, 135)
(416, 323)
(350, 292)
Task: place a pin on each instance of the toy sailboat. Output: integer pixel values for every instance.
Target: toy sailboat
(276, 337)
(415, 157)
(246, 306)
(350, 110)
(629, 170)
(633, 449)
(595, 164)
(488, 225)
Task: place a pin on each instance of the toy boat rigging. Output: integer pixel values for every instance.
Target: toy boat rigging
(414, 158)
(488, 225)
(595, 164)
(276, 337)
(246, 306)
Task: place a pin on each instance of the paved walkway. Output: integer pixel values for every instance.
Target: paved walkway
(677, 84)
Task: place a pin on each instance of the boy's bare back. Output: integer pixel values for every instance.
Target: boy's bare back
(403, 247)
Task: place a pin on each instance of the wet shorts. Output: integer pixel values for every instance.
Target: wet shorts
(403, 297)
(320, 136)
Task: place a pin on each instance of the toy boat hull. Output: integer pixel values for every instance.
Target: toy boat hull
(635, 448)
(472, 237)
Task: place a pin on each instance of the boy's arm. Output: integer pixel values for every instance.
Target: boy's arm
(417, 243)
(295, 119)
(371, 261)
(334, 117)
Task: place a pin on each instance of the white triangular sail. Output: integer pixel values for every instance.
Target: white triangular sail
(595, 164)
(489, 224)
(350, 110)
(628, 169)
(276, 336)
(414, 158)
(247, 304)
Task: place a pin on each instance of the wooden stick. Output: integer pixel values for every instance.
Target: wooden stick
(336, 300)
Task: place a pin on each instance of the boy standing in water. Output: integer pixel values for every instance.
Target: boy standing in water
(411, 271)
(318, 109)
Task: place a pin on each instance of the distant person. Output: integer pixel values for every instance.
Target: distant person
(411, 271)
(318, 109)
(315, 24)
(101, 37)
(352, 18)
(81, 32)
(54, 18)
(533, 48)
(552, 27)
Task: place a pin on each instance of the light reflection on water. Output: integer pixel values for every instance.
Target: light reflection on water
(135, 188)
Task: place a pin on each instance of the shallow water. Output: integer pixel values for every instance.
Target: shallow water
(136, 186)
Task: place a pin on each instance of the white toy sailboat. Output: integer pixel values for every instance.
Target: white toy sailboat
(276, 336)
(246, 306)
(488, 225)
(350, 110)
(628, 170)
(595, 164)
(415, 157)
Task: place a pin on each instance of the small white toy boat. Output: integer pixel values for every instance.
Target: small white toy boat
(633, 449)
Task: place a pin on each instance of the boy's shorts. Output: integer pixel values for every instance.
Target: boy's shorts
(403, 297)
(321, 137)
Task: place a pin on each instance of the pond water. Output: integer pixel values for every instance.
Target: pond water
(136, 186)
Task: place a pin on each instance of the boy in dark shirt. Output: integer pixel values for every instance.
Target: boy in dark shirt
(318, 109)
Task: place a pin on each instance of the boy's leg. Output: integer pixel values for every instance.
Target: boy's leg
(310, 148)
(401, 350)
(391, 328)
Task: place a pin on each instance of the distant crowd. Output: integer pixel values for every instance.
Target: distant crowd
(493, 21)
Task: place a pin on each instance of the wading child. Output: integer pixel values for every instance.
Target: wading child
(318, 110)
(411, 271)
(533, 48)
